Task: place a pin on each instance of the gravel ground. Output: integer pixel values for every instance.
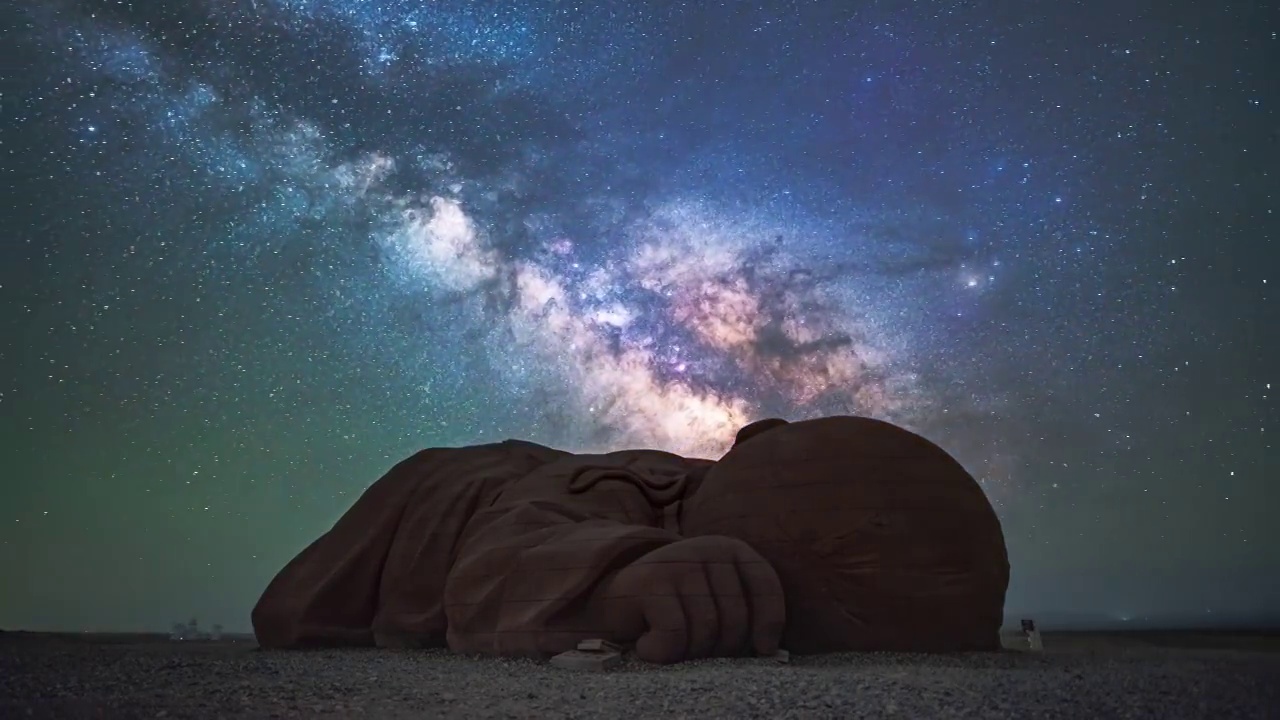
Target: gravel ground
(1075, 677)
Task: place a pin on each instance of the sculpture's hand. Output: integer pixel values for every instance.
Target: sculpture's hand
(699, 597)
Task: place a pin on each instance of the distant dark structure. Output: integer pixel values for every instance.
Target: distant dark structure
(840, 533)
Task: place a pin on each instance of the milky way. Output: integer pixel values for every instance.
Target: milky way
(264, 249)
(676, 327)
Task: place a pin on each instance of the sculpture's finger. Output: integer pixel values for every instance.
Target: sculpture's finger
(731, 606)
(667, 635)
(766, 601)
(700, 612)
(622, 613)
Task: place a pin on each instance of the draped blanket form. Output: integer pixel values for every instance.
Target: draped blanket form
(840, 533)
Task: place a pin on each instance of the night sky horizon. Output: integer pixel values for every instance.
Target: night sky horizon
(258, 252)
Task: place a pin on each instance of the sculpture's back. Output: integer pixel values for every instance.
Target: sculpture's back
(378, 575)
(881, 539)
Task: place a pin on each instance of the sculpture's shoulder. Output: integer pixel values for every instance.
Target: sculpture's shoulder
(453, 470)
(533, 449)
(487, 451)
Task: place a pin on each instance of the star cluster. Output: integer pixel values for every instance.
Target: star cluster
(259, 251)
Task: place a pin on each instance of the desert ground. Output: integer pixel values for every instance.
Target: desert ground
(1165, 675)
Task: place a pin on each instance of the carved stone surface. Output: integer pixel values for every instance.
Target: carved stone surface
(846, 533)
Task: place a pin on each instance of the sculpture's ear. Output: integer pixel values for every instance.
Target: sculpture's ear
(757, 428)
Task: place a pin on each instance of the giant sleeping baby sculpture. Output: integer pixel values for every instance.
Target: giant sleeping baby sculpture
(840, 533)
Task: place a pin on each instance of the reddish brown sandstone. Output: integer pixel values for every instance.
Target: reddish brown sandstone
(849, 532)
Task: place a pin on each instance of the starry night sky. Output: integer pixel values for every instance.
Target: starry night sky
(257, 251)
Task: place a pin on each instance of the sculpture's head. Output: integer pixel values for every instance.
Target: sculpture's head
(881, 538)
(756, 429)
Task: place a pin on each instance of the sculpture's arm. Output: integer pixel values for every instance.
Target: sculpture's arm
(524, 580)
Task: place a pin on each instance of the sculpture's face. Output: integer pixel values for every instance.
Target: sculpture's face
(875, 532)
